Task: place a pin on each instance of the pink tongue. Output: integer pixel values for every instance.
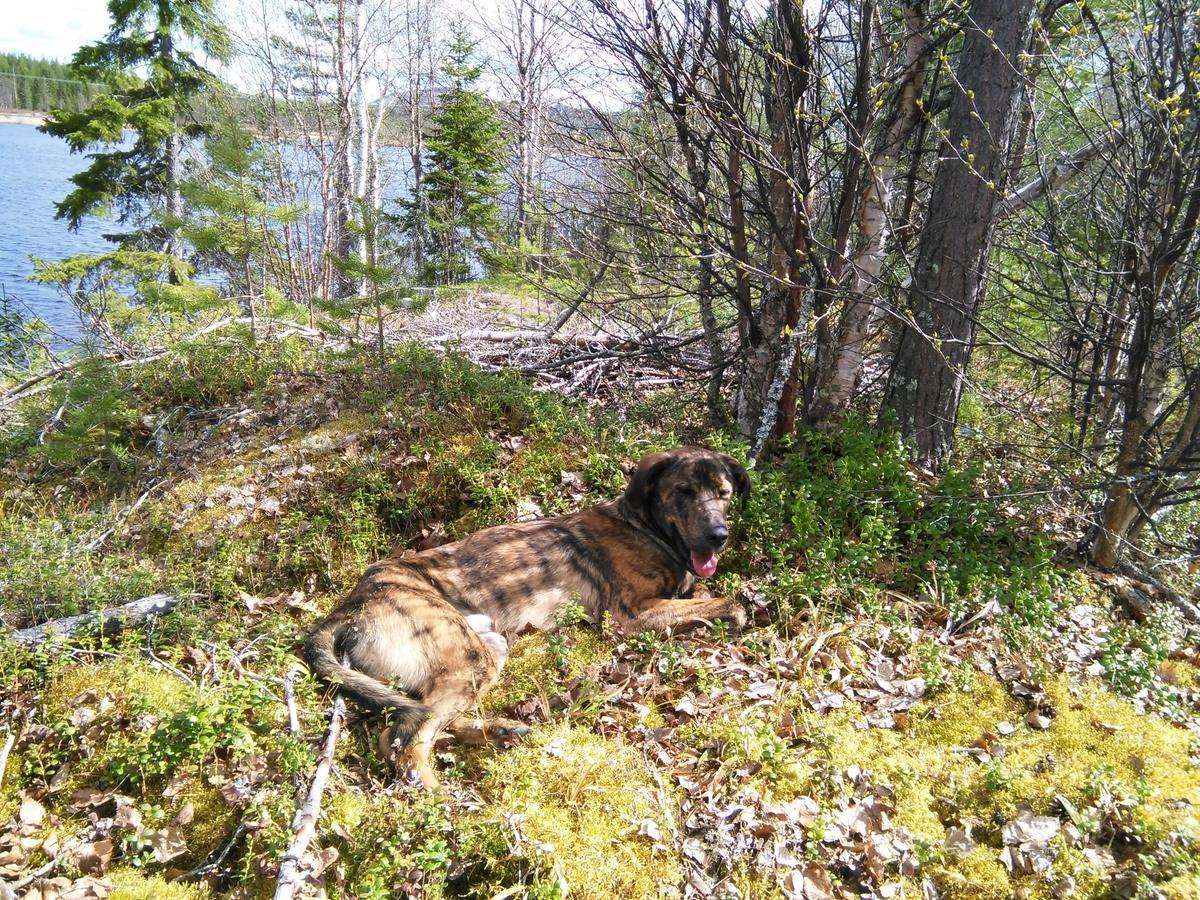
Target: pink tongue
(704, 564)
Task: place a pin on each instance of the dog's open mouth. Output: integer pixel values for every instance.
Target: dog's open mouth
(704, 564)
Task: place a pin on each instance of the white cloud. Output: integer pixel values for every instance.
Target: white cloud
(52, 29)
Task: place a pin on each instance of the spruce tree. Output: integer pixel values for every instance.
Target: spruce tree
(230, 224)
(148, 63)
(466, 154)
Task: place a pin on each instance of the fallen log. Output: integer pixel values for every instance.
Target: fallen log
(1147, 584)
(283, 328)
(110, 620)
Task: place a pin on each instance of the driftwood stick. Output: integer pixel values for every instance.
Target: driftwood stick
(289, 697)
(133, 613)
(304, 825)
(5, 750)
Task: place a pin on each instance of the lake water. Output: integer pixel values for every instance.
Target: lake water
(35, 173)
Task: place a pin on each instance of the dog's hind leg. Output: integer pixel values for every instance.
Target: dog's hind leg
(469, 663)
(449, 698)
(475, 731)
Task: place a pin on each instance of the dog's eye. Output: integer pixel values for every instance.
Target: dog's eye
(686, 492)
(725, 493)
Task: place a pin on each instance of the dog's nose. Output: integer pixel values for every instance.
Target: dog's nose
(718, 535)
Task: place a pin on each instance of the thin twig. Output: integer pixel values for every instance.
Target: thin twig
(304, 825)
(33, 876)
(166, 665)
(203, 869)
(289, 697)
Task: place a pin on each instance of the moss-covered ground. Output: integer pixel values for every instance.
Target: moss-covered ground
(930, 699)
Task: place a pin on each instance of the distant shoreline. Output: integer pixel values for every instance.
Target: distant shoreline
(21, 117)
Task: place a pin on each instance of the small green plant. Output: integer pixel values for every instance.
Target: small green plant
(191, 734)
(933, 667)
(997, 776)
(845, 508)
(1130, 658)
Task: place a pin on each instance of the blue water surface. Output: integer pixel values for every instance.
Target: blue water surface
(35, 173)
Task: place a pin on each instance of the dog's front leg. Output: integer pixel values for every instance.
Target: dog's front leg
(678, 615)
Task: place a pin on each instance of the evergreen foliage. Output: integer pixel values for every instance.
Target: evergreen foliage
(43, 84)
(132, 133)
(229, 222)
(466, 156)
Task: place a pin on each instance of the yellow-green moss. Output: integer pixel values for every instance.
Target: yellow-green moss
(918, 762)
(213, 820)
(122, 679)
(1095, 739)
(751, 742)
(978, 876)
(753, 882)
(532, 667)
(1185, 888)
(577, 802)
(1180, 673)
(131, 884)
(348, 808)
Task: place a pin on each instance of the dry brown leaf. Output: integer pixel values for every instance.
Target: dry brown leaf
(167, 843)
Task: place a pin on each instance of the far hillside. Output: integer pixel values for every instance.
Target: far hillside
(40, 84)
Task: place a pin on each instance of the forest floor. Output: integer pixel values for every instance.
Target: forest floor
(934, 699)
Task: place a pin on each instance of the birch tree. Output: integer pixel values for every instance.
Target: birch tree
(840, 359)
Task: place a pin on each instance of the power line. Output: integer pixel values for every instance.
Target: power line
(51, 78)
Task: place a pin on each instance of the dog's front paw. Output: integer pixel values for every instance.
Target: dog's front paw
(735, 615)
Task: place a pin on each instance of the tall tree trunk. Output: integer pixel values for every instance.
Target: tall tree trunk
(935, 344)
(838, 374)
(785, 90)
(740, 244)
(345, 244)
(174, 200)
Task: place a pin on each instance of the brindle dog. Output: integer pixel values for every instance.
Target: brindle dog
(422, 635)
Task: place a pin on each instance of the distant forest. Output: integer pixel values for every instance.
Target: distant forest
(40, 84)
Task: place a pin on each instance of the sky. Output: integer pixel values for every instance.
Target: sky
(55, 29)
(52, 29)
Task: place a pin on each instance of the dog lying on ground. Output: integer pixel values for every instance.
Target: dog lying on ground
(422, 635)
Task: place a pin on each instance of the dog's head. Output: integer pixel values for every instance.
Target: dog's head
(685, 494)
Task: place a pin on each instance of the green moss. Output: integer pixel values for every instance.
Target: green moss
(213, 820)
(1180, 673)
(1184, 888)
(778, 770)
(132, 884)
(535, 666)
(384, 838)
(978, 876)
(1096, 741)
(122, 679)
(567, 806)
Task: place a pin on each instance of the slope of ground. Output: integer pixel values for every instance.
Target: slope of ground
(929, 701)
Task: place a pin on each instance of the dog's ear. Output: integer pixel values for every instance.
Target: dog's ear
(740, 477)
(649, 469)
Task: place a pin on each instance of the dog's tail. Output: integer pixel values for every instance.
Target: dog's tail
(320, 653)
